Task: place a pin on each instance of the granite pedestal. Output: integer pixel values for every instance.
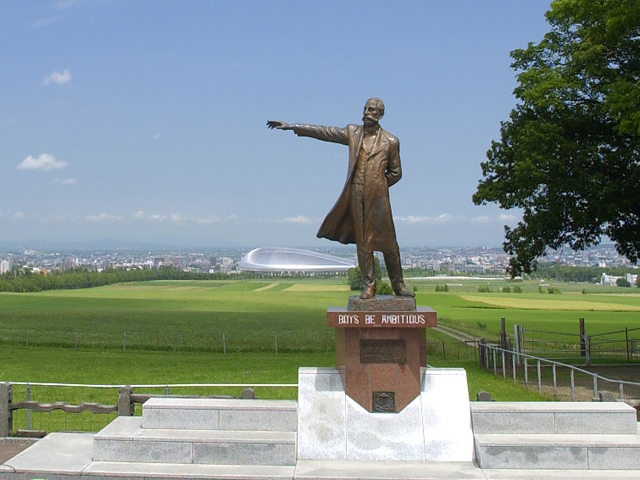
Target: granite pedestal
(380, 348)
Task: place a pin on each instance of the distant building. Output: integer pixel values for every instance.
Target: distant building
(5, 266)
(612, 279)
(608, 279)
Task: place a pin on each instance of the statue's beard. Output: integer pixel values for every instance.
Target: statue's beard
(369, 121)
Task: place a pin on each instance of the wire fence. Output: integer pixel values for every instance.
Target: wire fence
(246, 340)
(619, 346)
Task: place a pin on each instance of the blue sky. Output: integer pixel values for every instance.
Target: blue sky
(144, 121)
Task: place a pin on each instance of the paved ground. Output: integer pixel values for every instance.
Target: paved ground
(12, 447)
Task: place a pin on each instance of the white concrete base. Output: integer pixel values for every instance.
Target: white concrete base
(436, 426)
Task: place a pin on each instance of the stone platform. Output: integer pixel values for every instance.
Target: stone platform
(260, 439)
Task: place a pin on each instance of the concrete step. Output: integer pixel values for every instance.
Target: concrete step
(562, 452)
(553, 417)
(174, 471)
(123, 440)
(220, 414)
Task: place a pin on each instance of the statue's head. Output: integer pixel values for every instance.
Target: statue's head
(373, 111)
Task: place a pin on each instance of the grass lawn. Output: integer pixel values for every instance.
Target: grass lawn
(58, 365)
(172, 332)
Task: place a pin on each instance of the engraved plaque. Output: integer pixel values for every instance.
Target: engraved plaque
(384, 402)
(392, 350)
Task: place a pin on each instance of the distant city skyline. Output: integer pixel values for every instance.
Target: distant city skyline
(144, 122)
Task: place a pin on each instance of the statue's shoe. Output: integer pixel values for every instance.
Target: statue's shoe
(405, 292)
(368, 293)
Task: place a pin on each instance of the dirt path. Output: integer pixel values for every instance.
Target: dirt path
(458, 335)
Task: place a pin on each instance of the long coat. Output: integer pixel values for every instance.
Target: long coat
(384, 170)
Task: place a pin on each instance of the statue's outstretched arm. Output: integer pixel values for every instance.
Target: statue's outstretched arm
(277, 124)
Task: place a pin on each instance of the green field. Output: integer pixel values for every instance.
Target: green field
(171, 332)
(253, 316)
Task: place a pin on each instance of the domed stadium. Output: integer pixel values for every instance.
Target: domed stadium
(269, 259)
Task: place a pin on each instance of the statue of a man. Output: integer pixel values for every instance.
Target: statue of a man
(362, 214)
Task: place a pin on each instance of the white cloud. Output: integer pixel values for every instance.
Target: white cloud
(59, 78)
(44, 162)
(44, 22)
(155, 137)
(138, 215)
(102, 217)
(64, 182)
(481, 219)
(207, 221)
(175, 217)
(157, 217)
(58, 218)
(18, 215)
(440, 219)
(507, 217)
(299, 219)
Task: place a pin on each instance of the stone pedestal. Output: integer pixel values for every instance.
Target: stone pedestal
(380, 348)
(435, 427)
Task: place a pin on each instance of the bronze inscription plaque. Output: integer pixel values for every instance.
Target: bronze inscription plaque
(384, 402)
(392, 350)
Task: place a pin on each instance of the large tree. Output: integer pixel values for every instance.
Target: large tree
(569, 154)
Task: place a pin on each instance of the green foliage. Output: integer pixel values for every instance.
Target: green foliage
(623, 282)
(414, 288)
(517, 289)
(578, 274)
(484, 289)
(506, 289)
(355, 279)
(567, 156)
(553, 291)
(584, 291)
(383, 288)
(30, 282)
(355, 276)
(540, 290)
(438, 288)
(445, 288)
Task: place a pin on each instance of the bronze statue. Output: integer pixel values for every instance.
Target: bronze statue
(362, 214)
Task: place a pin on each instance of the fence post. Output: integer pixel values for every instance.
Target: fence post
(125, 405)
(595, 387)
(28, 409)
(573, 385)
(555, 383)
(504, 365)
(539, 378)
(587, 341)
(503, 333)
(481, 351)
(444, 353)
(526, 372)
(516, 337)
(6, 415)
(513, 368)
(583, 346)
(626, 338)
(495, 361)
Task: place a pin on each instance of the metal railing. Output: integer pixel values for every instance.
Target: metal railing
(503, 360)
